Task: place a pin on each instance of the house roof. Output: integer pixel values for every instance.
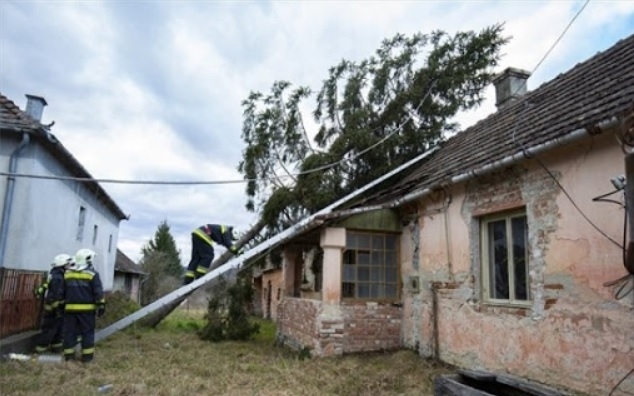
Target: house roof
(582, 98)
(123, 263)
(589, 94)
(12, 119)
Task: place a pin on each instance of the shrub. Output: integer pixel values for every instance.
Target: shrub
(227, 317)
(118, 306)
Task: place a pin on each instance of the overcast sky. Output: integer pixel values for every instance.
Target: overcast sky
(153, 90)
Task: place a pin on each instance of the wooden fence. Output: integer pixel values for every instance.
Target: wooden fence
(19, 309)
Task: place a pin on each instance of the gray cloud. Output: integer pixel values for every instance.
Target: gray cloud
(152, 90)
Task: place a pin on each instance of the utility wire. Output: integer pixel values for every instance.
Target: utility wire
(526, 104)
(620, 382)
(318, 169)
(235, 181)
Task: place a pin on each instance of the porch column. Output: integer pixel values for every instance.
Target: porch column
(333, 240)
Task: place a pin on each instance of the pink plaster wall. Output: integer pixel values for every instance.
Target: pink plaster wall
(575, 334)
(277, 289)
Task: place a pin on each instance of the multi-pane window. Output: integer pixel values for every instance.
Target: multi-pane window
(370, 266)
(505, 259)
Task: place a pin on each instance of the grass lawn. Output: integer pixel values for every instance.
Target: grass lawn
(172, 360)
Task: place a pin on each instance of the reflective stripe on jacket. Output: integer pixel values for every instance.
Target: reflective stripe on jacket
(218, 233)
(83, 291)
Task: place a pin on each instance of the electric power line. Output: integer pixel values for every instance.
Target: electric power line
(235, 181)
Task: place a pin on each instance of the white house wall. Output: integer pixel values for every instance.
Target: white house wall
(45, 216)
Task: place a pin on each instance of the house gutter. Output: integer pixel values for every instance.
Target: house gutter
(528, 153)
(8, 197)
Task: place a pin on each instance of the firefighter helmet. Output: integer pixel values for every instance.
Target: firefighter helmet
(84, 259)
(61, 260)
(235, 235)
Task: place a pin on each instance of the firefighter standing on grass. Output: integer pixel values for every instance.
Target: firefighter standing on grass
(83, 298)
(203, 239)
(52, 292)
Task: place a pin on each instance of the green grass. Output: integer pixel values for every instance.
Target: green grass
(172, 360)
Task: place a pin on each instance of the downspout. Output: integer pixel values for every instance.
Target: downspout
(435, 330)
(8, 197)
(446, 204)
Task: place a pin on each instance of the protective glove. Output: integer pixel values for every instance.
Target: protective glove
(235, 250)
(39, 291)
(101, 310)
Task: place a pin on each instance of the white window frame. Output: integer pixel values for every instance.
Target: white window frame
(485, 264)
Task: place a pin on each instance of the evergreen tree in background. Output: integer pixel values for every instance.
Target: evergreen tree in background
(164, 243)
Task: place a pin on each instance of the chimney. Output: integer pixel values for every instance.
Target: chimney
(509, 85)
(35, 106)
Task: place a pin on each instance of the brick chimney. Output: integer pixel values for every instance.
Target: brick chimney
(35, 106)
(509, 85)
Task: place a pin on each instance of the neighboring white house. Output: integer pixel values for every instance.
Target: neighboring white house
(43, 216)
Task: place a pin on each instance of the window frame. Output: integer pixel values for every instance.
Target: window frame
(397, 257)
(485, 281)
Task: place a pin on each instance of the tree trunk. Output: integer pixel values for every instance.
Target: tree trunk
(153, 319)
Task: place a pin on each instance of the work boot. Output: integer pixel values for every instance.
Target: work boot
(86, 358)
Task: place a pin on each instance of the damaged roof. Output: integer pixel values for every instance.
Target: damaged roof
(124, 264)
(587, 95)
(14, 120)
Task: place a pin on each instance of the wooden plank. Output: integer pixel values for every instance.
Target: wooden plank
(479, 375)
(449, 385)
(530, 388)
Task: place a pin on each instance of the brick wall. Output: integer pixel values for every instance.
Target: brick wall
(371, 327)
(329, 330)
(296, 323)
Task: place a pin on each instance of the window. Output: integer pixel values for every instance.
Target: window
(110, 243)
(80, 223)
(505, 259)
(95, 230)
(370, 266)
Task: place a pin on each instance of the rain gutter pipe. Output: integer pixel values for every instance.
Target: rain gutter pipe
(8, 197)
(571, 137)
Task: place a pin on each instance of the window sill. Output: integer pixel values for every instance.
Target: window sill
(504, 308)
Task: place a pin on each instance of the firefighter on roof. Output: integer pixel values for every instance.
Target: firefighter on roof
(52, 292)
(203, 239)
(83, 297)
